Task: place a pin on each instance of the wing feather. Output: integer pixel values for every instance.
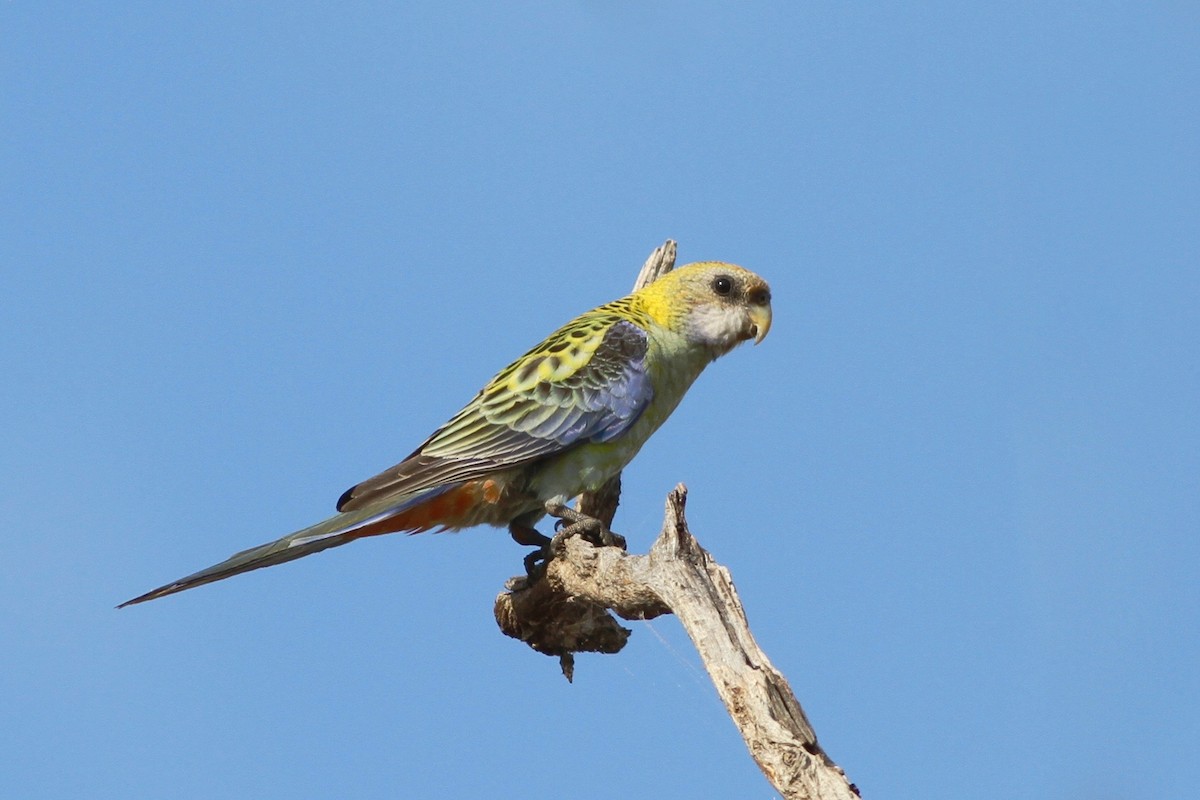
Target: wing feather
(586, 382)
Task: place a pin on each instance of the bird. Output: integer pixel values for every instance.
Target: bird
(558, 421)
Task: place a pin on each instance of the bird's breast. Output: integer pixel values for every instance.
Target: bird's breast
(672, 366)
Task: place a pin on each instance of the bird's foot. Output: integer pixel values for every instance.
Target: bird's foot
(528, 536)
(570, 523)
(573, 523)
(536, 561)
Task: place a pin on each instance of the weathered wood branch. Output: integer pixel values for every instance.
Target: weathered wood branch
(564, 612)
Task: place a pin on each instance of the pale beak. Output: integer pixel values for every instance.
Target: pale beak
(760, 322)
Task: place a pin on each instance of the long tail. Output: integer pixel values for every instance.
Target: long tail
(383, 517)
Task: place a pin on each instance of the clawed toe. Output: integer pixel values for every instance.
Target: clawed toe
(535, 562)
(573, 523)
(569, 523)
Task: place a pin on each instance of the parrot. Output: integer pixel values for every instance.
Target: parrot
(560, 420)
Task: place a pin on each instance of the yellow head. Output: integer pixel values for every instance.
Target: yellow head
(712, 303)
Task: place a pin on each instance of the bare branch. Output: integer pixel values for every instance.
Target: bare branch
(660, 262)
(564, 613)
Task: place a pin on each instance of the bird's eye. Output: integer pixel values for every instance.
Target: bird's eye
(722, 285)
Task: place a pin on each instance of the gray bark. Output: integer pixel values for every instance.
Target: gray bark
(565, 612)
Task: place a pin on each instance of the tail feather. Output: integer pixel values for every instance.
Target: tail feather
(336, 530)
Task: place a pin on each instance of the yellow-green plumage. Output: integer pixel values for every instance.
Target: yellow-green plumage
(559, 420)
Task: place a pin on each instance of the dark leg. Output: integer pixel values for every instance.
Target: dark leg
(528, 536)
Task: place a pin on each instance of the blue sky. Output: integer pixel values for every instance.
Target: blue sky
(253, 255)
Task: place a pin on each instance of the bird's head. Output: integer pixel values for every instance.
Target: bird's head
(713, 304)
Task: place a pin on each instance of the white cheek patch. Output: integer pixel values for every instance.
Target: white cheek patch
(717, 325)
